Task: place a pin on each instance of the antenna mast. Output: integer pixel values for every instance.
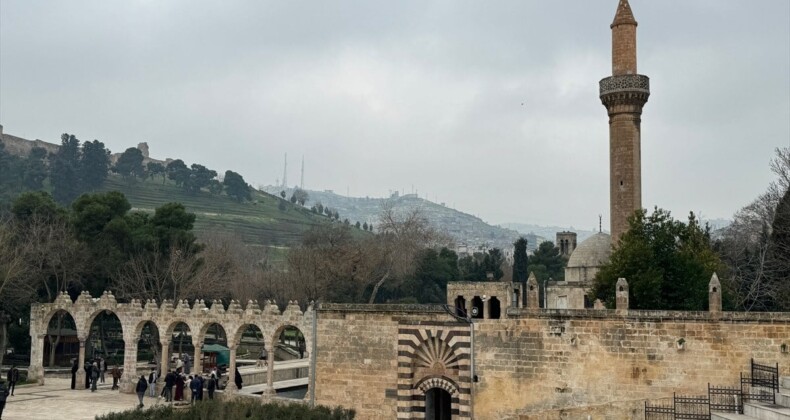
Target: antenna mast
(285, 172)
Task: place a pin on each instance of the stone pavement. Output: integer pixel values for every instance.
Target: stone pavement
(56, 400)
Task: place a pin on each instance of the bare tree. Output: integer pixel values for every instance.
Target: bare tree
(14, 289)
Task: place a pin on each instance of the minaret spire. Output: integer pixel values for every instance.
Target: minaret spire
(624, 94)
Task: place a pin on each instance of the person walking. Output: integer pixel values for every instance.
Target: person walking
(87, 368)
(94, 376)
(200, 380)
(13, 378)
(152, 377)
(116, 376)
(194, 383)
(237, 379)
(102, 369)
(74, 369)
(170, 380)
(212, 385)
(140, 389)
(3, 396)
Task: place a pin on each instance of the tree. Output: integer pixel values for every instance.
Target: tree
(320, 207)
(520, 260)
(433, 271)
(15, 292)
(156, 168)
(236, 187)
(282, 194)
(94, 165)
(357, 225)
(200, 177)
(64, 170)
(547, 263)
(35, 169)
(178, 171)
(667, 263)
(299, 196)
(365, 226)
(215, 187)
(130, 164)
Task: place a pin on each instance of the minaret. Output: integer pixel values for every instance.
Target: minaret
(285, 172)
(624, 94)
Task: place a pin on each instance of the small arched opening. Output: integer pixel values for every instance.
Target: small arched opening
(105, 346)
(291, 357)
(61, 344)
(438, 404)
(215, 353)
(477, 307)
(149, 346)
(494, 308)
(460, 306)
(180, 345)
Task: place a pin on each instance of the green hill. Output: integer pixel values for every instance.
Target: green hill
(258, 223)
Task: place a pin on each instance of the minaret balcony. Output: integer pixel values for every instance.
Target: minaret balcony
(625, 83)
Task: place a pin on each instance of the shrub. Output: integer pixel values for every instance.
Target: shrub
(235, 409)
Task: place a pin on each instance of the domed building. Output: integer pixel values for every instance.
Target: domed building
(583, 265)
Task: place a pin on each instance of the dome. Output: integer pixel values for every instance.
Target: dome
(592, 252)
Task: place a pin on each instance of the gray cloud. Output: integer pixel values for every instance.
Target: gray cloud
(488, 106)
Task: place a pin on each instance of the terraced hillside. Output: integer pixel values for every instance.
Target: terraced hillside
(259, 223)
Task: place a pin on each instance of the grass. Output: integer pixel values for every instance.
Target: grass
(258, 223)
(233, 410)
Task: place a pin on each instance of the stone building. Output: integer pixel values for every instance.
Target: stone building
(566, 242)
(583, 265)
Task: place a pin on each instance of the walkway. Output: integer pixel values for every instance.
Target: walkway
(57, 400)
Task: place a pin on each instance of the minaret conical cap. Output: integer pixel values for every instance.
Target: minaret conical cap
(624, 15)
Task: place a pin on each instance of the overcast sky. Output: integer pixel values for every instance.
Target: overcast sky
(489, 106)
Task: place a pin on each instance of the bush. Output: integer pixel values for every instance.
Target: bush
(236, 409)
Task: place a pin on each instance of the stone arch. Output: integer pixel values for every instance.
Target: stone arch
(235, 338)
(63, 340)
(443, 382)
(96, 312)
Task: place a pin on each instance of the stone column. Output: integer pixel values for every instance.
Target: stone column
(36, 369)
(714, 294)
(231, 387)
(468, 307)
(165, 362)
(80, 382)
(197, 362)
(129, 376)
(270, 372)
(486, 307)
(621, 295)
(533, 296)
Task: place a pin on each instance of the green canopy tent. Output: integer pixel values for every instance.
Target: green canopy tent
(214, 355)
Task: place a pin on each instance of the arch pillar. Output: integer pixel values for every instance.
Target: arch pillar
(269, 390)
(164, 364)
(129, 377)
(36, 369)
(197, 362)
(81, 363)
(231, 387)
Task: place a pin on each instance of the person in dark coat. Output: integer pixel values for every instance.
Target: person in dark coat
(170, 381)
(212, 385)
(237, 379)
(142, 385)
(88, 368)
(74, 369)
(3, 396)
(116, 376)
(200, 380)
(13, 378)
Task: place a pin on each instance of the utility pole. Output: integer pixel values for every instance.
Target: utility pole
(285, 172)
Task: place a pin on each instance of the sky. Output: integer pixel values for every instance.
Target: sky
(489, 106)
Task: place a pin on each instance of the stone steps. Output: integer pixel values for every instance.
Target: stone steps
(764, 411)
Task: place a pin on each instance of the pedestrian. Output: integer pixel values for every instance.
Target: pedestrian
(170, 380)
(87, 368)
(102, 368)
(301, 348)
(194, 383)
(187, 363)
(237, 379)
(116, 376)
(74, 369)
(199, 378)
(179, 365)
(3, 396)
(152, 377)
(94, 376)
(262, 358)
(212, 385)
(140, 389)
(13, 378)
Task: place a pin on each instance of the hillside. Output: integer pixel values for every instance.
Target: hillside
(259, 222)
(464, 228)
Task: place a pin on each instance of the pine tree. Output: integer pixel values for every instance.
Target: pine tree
(520, 260)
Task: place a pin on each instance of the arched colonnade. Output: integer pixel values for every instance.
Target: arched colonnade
(134, 315)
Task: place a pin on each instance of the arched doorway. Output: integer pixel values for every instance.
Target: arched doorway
(179, 346)
(215, 355)
(494, 308)
(105, 345)
(61, 344)
(438, 404)
(290, 355)
(460, 306)
(149, 347)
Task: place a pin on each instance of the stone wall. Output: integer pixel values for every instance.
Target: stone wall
(541, 364)
(369, 357)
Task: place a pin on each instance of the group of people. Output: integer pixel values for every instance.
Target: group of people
(7, 389)
(95, 372)
(175, 383)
